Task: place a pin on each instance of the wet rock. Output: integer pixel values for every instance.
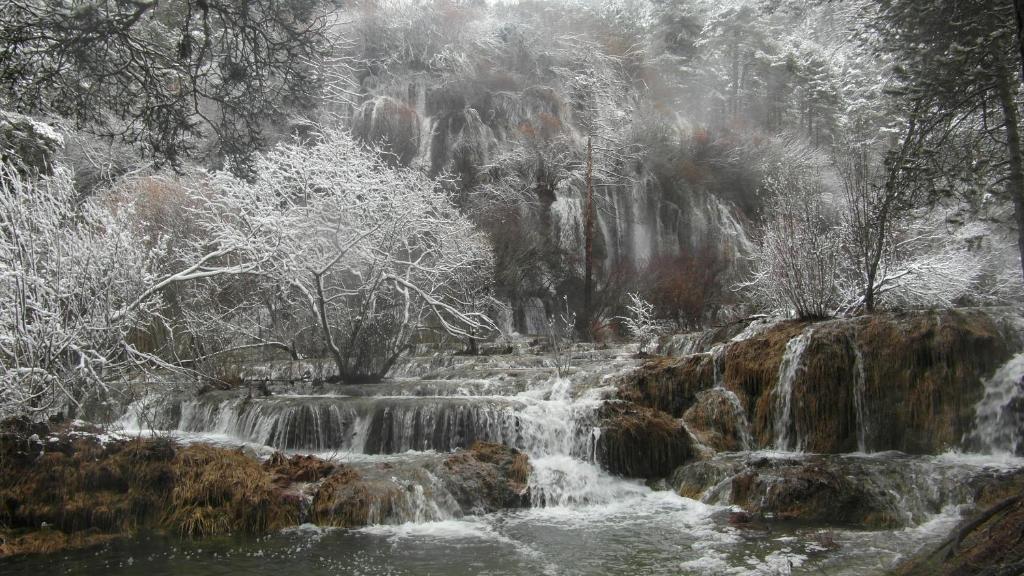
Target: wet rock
(717, 420)
(639, 442)
(872, 492)
(751, 371)
(922, 375)
(986, 542)
(704, 480)
(670, 385)
(485, 478)
(488, 477)
(907, 381)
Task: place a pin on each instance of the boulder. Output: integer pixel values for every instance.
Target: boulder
(30, 145)
(891, 491)
(639, 442)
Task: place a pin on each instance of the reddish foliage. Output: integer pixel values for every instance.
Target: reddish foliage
(686, 288)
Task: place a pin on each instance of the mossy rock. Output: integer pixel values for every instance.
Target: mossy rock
(640, 442)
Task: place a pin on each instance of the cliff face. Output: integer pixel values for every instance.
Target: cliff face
(515, 157)
(908, 382)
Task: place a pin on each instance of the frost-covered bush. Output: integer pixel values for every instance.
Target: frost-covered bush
(561, 328)
(823, 253)
(74, 286)
(797, 265)
(640, 323)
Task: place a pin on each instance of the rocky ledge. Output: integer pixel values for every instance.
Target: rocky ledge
(76, 488)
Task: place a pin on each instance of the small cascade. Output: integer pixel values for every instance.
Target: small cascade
(889, 489)
(436, 405)
(859, 406)
(785, 438)
(999, 415)
(680, 345)
(378, 425)
(568, 214)
(416, 496)
(535, 319)
(562, 480)
(718, 363)
(739, 415)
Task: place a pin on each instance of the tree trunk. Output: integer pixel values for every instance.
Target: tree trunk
(588, 279)
(1015, 184)
(1018, 6)
(325, 327)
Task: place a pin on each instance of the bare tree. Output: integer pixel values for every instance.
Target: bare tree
(797, 266)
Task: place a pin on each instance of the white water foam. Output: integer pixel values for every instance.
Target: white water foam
(999, 415)
(788, 370)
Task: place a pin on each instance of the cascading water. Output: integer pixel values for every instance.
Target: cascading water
(785, 437)
(582, 521)
(999, 415)
(519, 402)
(859, 406)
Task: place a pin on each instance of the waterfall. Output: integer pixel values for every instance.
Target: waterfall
(568, 214)
(440, 404)
(535, 321)
(718, 366)
(788, 370)
(740, 415)
(999, 415)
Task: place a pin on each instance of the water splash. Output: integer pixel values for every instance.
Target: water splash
(562, 480)
(999, 415)
(788, 370)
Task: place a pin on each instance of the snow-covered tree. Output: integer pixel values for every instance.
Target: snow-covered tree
(640, 323)
(164, 74)
(356, 256)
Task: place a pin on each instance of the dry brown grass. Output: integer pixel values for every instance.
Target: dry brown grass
(298, 468)
(49, 541)
(219, 491)
(83, 490)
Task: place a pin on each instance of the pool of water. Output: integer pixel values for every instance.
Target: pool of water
(647, 533)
